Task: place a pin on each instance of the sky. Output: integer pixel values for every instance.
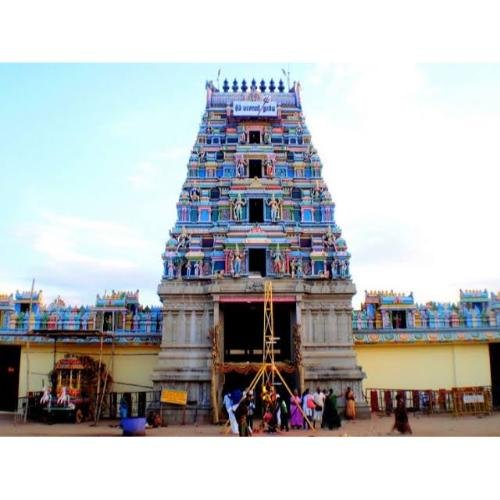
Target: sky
(93, 157)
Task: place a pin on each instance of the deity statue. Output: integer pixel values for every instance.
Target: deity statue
(317, 191)
(277, 261)
(240, 164)
(237, 264)
(329, 238)
(170, 267)
(207, 269)
(243, 137)
(197, 269)
(275, 208)
(183, 239)
(304, 267)
(293, 267)
(336, 268)
(269, 166)
(188, 269)
(238, 205)
(194, 194)
(267, 136)
(342, 268)
(236, 267)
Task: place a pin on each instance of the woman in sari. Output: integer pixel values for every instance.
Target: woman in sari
(296, 418)
(350, 405)
(401, 423)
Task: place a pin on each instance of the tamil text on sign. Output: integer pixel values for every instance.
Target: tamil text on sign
(174, 397)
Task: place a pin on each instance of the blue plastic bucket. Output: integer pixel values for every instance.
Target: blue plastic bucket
(134, 426)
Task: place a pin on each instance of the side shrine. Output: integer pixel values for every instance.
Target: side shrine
(255, 207)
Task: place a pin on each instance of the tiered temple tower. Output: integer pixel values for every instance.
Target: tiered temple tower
(254, 207)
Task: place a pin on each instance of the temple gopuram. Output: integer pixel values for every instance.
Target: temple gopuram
(254, 207)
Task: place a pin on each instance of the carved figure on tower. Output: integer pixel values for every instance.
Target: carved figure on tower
(329, 238)
(240, 164)
(183, 239)
(170, 269)
(231, 262)
(269, 166)
(267, 136)
(238, 257)
(194, 194)
(275, 208)
(318, 191)
(238, 205)
(277, 261)
(300, 272)
(243, 137)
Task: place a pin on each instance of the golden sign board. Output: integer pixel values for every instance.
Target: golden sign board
(173, 397)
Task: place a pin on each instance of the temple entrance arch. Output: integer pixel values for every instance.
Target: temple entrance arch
(243, 330)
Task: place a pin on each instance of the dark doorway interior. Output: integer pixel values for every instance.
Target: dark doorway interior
(257, 261)
(399, 319)
(495, 373)
(254, 137)
(254, 168)
(243, 331)
(256, 210)
(10, 357)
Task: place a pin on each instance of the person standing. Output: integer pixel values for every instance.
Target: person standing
(307, 406)
(228, 404)
(296, 418)
(284, 416)
(330, 414)
(319, 401)
(401, 423)
(350, 405)
(251, 410)
(241, 414)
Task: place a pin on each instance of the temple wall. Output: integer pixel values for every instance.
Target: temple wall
(424, 367)
(329, 358)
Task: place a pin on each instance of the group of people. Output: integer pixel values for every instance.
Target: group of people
(318, 409)
(321, 407)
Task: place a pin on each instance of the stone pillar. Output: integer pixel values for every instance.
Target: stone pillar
(184, 361)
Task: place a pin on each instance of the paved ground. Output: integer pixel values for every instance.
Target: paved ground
(422, 425)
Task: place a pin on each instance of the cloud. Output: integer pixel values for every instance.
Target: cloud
(156, 172)
(145, 177)
(64, 239)
(414, 178)
(78, 257)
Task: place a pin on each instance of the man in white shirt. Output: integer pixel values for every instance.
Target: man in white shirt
(319, 401)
